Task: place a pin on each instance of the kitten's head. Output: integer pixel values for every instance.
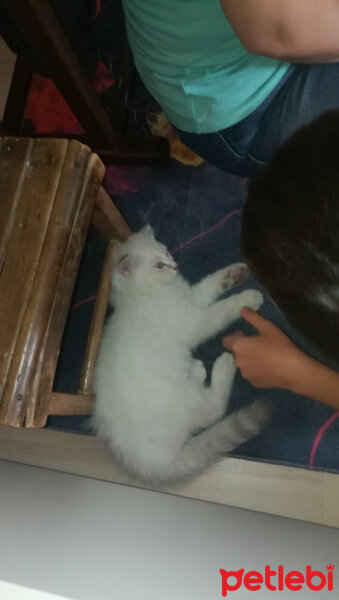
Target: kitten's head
(143, 261)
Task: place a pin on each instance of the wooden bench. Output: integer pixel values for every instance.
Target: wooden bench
(50, 192)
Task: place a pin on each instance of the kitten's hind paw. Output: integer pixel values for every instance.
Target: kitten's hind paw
(251, 298)
(198, 371)
(223, 370)
(258, 414)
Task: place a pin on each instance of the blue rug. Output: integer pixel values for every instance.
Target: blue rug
(196, 212)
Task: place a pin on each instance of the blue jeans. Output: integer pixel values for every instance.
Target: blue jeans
(304, 92)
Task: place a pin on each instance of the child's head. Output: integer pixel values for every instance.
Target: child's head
(290, 232)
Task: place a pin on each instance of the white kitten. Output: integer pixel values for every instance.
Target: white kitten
(152, 404)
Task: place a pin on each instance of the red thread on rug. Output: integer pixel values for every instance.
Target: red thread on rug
(320, 436)
(81, 302)
(238, 211)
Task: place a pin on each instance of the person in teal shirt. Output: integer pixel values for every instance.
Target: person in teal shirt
(237, 77)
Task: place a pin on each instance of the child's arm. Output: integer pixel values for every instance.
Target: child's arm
(272, 360)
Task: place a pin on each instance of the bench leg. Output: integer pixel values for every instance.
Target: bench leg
(97, 324)
(70, 404)
(108, 220)
(17, 97)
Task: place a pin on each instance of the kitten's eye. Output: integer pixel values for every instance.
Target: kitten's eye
(160, 265)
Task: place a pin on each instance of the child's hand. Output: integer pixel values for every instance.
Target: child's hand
(268, 360)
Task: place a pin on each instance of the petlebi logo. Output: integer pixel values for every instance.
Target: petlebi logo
(277, 580)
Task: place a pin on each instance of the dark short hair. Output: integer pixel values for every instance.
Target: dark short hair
(290, 231)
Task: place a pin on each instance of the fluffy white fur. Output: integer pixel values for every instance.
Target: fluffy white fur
(152, 404)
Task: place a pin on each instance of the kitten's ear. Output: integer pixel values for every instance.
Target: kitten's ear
(147, 231)
(127, 264)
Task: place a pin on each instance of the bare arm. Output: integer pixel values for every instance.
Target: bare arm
(318, 382)
(272, 360)
(305, 31)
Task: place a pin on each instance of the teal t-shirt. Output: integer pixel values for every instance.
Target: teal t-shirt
(194, 65)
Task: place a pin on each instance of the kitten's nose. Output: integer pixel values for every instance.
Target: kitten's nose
(175, 267)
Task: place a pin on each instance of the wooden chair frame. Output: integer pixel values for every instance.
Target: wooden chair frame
(41, 31)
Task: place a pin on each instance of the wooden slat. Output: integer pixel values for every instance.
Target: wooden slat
(14, 155)
(23, 251)
(70, 404)
(285, 491)
(137, 151)
(108, 220)
(37, 408)
(120, 93)
(141, 151)
(49, 271)
(97, 323)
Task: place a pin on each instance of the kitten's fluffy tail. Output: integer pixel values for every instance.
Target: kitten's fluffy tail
(212, 444)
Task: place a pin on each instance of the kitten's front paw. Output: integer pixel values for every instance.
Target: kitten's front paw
(233, 275)
(251, 298)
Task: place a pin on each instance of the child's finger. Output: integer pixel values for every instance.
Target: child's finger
(228, 341)
(253, 318)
